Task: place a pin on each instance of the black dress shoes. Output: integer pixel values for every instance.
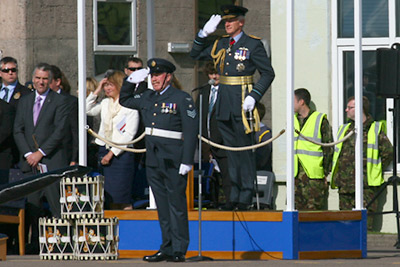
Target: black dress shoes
(178, 257)
(228, 206)
(243, 207)
(159, 256)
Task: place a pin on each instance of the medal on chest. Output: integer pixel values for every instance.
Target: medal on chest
(242, 54)
(169, 108)
(240, 67)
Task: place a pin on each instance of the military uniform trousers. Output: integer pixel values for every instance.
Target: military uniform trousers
(241, 164)
(169, 189)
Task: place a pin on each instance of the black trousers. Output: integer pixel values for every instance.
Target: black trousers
(169, 188)
(226, 180)
(241, 164)
(34, 209)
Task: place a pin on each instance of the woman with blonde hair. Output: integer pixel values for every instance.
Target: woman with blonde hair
(94, 124)
(117, 124)
(91, 85)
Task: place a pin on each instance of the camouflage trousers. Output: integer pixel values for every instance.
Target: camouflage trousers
(310, 194)
(347, 202)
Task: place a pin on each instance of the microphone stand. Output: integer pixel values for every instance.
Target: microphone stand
(200, 257)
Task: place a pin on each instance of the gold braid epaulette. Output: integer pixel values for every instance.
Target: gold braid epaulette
(254, 37)
(218, 57)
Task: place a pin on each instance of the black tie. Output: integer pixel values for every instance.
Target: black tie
(5, 97)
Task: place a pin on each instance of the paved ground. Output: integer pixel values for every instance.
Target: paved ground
(381, 252)
(375, 258)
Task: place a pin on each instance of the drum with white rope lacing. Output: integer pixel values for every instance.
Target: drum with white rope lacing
(55, 239)
(97, 239)
(82, 197)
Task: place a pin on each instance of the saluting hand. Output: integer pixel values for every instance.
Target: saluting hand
(138, 76)
(100, 86)
(211, 25)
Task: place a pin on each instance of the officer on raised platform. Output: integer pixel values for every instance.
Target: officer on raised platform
(171, 126)
(236, 56)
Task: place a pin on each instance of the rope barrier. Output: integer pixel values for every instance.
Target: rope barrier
(115, 144)
(244, 147)
(207, 141)
(326, 144)
(134, 141)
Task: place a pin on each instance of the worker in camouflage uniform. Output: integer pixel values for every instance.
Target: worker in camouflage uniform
(312, 161)
(377, 155)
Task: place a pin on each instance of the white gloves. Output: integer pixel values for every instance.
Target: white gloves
(210, 26)
(248, 104)
(138, 76)
(184, 169)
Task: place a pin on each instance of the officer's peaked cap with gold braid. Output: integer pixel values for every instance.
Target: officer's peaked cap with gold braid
(232, 11)
(159, 65)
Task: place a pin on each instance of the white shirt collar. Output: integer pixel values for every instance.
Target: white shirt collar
(43, 96)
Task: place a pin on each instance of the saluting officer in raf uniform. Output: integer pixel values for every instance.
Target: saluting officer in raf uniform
(171, 126)
(236, 56)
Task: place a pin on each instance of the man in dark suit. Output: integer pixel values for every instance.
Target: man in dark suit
(11, 92)
(237, 56)
(39, 130)
(7, 115)
(210, 129)
(171, 122)
(70, 141)
(139, 184)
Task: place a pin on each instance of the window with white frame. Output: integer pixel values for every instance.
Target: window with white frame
(114, 33)
(380, 29)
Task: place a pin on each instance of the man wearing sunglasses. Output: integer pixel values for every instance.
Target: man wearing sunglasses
(139, 185)
(11, 91)
(133, 64)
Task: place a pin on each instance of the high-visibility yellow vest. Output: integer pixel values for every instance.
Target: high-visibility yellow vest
(309, 154)
(374, 163)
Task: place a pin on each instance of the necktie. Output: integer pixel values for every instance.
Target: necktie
(5, 97)
(36, 109)
(212, 99)
(231, 42)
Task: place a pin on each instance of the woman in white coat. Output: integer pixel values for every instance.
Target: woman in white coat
(117, 124)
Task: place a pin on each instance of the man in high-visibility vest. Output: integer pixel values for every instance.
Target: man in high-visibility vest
(312, 162)
(377, 155)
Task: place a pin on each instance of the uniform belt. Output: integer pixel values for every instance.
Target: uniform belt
(163, 133)
(236, 80)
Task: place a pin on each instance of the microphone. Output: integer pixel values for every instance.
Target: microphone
(210, 82)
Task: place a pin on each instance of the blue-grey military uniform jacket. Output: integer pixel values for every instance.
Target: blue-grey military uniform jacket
(245, 57)
(174, 110)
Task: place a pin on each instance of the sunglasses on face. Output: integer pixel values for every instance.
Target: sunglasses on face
(8, 70)
(135, 69)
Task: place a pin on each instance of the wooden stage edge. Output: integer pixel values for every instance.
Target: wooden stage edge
(267, 216)
(221, 255)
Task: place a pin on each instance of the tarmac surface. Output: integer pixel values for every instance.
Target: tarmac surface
(381, 252)
(375, 258)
